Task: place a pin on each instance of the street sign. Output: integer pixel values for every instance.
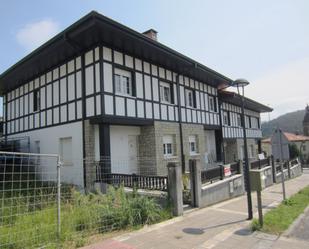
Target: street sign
(280, 146)
(280, 149)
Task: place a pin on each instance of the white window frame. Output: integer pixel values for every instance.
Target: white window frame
(193, 149)
(238, 119)
(123, 82)
(212, 103)
(225, 117)
(36, 100)
(168, 150)
(67, 159)
(165, 87)
(189, 98)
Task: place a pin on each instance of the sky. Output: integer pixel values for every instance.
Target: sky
(266, 42)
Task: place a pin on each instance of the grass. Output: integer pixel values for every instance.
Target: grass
(81, 217)
(279, 219)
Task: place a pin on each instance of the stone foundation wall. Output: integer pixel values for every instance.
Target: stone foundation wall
(162, 129)
(197, 130)
(232, 150)
(147, 152)
(89, 160)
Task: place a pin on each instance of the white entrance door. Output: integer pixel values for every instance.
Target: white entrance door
(132, 153)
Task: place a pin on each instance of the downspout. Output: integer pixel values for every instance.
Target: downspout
(83, 118)
(183, 164)
(6, 118)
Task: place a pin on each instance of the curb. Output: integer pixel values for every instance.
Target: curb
(296, 223)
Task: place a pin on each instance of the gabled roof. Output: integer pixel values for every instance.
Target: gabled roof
(234, 98)
(291, 137)
(94, 29)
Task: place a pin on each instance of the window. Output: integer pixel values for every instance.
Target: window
(238, 118)
(212, 104)
(165, 92)
(168, 146)
(190, 100)
(123, 82)
(66, 151)
(226, 120)
(254, 123)
(192, 145)
(36, 100)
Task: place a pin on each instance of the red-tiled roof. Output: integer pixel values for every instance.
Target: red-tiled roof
(294, 138)
(291, 137)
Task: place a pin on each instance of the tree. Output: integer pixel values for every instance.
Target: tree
(294, 151)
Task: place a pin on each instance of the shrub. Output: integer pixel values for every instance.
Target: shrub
(255, 225)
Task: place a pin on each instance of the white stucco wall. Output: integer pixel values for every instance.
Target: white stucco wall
(49, 144)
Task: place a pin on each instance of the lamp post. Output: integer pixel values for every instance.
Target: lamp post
(240, 85)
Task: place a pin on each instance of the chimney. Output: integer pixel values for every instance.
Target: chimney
(152, 34)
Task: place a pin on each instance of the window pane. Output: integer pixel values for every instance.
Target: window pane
(117, 82)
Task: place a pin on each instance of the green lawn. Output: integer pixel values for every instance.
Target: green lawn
(279, 219)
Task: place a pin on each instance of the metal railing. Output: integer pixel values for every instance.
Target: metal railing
(135, 181)
(213, 174)
(260, 163)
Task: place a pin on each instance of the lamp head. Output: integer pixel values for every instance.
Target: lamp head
(240, 83)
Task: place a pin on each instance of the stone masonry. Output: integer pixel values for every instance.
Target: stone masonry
(232, 149)
(89, 162)
(151, 145)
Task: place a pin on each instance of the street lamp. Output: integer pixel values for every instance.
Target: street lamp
(240, 85)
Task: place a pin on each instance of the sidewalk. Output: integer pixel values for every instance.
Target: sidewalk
(223, 225)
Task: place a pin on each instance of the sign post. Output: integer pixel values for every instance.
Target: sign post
(280, 148)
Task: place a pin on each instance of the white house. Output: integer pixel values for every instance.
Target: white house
(101, 90)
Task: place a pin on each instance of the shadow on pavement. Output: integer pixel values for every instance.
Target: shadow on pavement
(199, 231)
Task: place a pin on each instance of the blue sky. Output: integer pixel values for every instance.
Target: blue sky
(266, 42)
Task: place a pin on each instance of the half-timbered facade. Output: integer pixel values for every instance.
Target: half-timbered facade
(232, 128)
(100, 89)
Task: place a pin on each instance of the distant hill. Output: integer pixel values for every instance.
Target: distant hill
(289, 122)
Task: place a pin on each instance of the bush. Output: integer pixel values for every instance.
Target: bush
(294, 151)
(255, 225)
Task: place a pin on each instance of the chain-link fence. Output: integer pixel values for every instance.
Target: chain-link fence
(43, 207)
(28, 207)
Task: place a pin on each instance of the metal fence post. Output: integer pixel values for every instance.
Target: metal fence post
(289, 169)
(273, 167)
(58, 200)
(221, 172)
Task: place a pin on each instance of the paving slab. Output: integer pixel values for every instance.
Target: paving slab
(223, 225)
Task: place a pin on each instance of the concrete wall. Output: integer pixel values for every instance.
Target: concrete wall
(222, 190)
(294, 171)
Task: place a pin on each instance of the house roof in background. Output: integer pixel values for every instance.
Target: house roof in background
(94, 29)
(234, 98)
(291, 138)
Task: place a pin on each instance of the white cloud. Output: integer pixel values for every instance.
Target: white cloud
(285, 89)
(35, 34)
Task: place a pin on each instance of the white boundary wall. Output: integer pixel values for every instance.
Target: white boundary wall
(50, 144)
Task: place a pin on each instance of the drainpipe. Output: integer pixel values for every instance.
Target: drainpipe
(183, 163)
